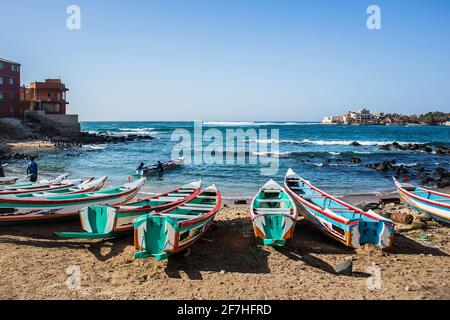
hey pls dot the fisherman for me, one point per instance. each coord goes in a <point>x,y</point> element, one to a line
<point>32,169</point>
<point>160,168</point>
<point>2,174</point>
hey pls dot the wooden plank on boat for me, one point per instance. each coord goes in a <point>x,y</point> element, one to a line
<point>181,216</point>
<point>273,209</point>
<point>200,205</point>
<point>207,197</point>
<point>273,200</point>
<point>169,199</point>
<point>194,208</point>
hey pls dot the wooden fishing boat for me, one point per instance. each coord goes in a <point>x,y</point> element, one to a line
<point>62,187</point>
<point>434,204</point>
<point>89,185</point>
<point>273,214</point>
<point>18,184</point>
<point>338,219</point>
<point>167,165</point>
<point>160,234</point>
<point>15,209</point>
<point>8,180</point>
<point>112,221</point>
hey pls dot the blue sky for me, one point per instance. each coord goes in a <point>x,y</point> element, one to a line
<point>262,60</point>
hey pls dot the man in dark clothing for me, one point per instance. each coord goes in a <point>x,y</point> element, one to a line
<point>160,168</point>
<point>32,170</point>
<point>2,174</point>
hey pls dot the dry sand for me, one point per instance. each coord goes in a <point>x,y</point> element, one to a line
<point>228,263</point>
<point>30,146</point>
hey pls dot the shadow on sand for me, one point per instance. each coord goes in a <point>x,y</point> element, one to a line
<point>229,246</point>
<point>42,235</point>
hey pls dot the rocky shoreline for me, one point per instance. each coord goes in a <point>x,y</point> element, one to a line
<point>58,142</point>
<point>439,177</point>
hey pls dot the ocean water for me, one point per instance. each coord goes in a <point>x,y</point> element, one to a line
<point>317,152</point>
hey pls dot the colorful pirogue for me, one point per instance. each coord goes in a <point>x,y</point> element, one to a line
<point>113,221</point>
<point>160,234</point>
<point>16,209</point>
<point>273,214</point>
<point>338,219</point>
<point>65,186</point>
<point>8,181</point>
<point>42,183</point>
<point>434,204</point>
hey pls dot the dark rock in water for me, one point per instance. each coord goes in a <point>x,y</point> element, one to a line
<point>386,200</point>
<point>401,170</point>
<point>384,166</point>
<point>426,179</point>
<point>355,160</point>
<point>440,172</point>
<point>415,147</point>
<point>240,201</point>
<point>355,144</point>
<point>17,156</point>
<point>443,183</point>
<point>344,268</point>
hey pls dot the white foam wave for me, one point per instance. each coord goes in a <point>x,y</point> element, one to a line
<point>253,123</point>
<point>95,147</point>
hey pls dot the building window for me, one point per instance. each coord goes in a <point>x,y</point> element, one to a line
<point>14,68</point>
<point>1,95</point>
<point>11,96</point>
<point>11,81</point>
<point>49,95</point>
<point>2,65</point>
<point>1,80</point>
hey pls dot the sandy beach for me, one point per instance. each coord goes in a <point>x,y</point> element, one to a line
<point>228,263</point>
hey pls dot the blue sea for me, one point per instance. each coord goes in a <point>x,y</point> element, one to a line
<point>318,152</point>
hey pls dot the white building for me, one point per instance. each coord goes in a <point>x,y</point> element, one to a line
<point>332,120</point>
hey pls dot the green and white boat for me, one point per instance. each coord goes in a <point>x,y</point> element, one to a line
<point>17,209</point>
<point>113,221</point>
<point>160,234</point>
<point>274,214</point>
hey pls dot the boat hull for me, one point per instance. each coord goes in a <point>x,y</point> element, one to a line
<point>435,210</point>
<point>30,211</point>
<point>273,214</point>
<point>353,227</point>
<point>111,221</point>
<point>161,234</point>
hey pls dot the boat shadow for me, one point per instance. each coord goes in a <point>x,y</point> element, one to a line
<point>228,246</point>
<point>42,235</point>
<point>405,245</point>
<point>308,241</point>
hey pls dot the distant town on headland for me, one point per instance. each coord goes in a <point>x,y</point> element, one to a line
<point>365,117</point>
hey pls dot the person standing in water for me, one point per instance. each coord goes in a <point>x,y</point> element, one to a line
<point>140,169</point>
<point>32,170</point>
<point>160,168</point>
<point>2,174</point>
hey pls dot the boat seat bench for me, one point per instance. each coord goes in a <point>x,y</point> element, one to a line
<point>274,200</point>
<point>194,208</point>
<point>181,216</point>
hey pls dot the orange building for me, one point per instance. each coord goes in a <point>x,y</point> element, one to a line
<point>48,96</point>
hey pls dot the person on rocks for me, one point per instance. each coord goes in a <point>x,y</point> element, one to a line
<point>32,169</point>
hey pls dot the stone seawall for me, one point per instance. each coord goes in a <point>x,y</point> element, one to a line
<point>65,124</point>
